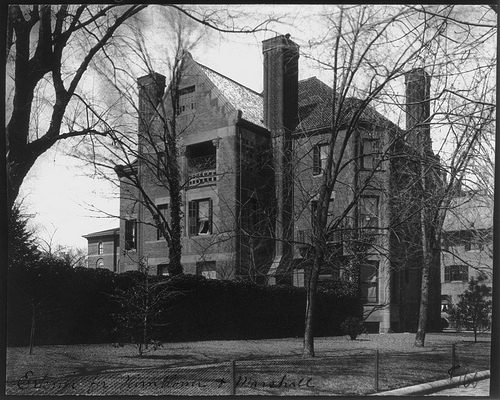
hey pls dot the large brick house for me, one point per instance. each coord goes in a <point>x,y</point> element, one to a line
<point>252,167</point>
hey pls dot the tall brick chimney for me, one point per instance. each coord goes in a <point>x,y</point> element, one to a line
<point>281,61</point>
<point>151,90</point>
<point>418,126</point>
<point>281,72</point>
<point>418,87</point>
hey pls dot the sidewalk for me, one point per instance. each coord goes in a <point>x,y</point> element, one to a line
<point>472,384</point>
<point>478,388</point>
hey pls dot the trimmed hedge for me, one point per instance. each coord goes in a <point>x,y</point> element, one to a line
<point>77,307</point>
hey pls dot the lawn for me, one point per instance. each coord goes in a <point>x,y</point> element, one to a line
<point>273,366</point>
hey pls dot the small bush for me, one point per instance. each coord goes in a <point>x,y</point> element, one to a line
<point>353,327</point>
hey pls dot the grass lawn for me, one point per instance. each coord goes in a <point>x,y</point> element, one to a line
<point>272,367</point>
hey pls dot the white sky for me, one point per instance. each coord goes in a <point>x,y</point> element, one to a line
<point>58,189</point>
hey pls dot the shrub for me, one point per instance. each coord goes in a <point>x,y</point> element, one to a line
<point>353,326</point>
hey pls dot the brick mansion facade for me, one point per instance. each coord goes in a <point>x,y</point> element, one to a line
<point>248,205</point>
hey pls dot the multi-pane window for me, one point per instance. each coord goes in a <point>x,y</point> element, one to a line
<point>100,248</point>
<point>456,273</point>
<point>163,220</point>
<point>130,234</point>
<point>200,217</point>
<point>369,281</point>
<point>320,154</point>
<point>186,100</point>
<point>370,154</point>
<point>368,212</point>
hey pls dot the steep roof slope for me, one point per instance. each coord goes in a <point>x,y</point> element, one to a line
<point>315,108</point>
<point>239,96</point>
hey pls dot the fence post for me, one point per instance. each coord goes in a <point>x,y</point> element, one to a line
<point>376,370</point>
<point>232,378</point>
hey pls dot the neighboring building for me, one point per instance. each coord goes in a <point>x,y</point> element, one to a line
<point>467,245</point>
<point>103,249</point>
<point>252,165</point>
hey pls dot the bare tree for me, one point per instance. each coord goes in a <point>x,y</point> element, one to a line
<point>365,64</point>
<point>50,50</point>
<point>40,39</point>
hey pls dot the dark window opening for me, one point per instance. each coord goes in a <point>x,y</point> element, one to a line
<point>368,212</point>
<point>186,100</point>
<point>320,154</point>
<point>369,281</point>
<point>163,220</point>
<point>370,154</point>
<point>130,234</point>
<point>201,163</point>
<point>207,269</point>
<point>163,269</point>
<point>161,166</point>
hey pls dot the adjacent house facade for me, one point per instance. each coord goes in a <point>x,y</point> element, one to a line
<point>251,166</point>
<point>467,245</point>
<point>103,249</point>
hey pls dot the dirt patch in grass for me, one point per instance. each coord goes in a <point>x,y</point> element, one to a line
<point>341,366</point>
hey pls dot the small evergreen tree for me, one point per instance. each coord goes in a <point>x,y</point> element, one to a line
<point>473,311</point>
<point>21,248</point>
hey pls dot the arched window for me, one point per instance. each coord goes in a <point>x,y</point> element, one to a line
<point>100,248</point>
<point>99,263</point>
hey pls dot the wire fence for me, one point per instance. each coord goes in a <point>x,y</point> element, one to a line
<point>351,373</point>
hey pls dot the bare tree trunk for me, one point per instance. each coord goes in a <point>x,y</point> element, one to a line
<point>32,333</point>
<point>426,257</point>
<point>175,247</point>
<point>312,285</point>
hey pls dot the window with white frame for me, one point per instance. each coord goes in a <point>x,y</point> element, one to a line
<point>200,217</point>
<point>456,273</point>
<point>100,248</point>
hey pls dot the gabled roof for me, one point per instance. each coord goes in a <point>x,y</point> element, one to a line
<point>107,232</point>
<point>469,212</point>
<point>239,96</point>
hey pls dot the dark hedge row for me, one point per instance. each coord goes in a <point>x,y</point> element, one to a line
<point>76,306</point>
